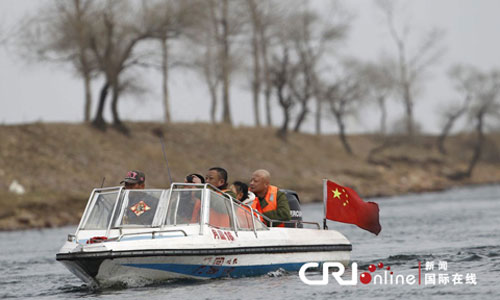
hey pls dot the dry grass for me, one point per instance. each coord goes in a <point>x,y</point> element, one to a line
<point>59,164</point>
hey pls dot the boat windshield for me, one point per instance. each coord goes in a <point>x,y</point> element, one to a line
<point>220,211</point>
<point>184,207</point>
<point>244,219</point>
<point>101,210</point>
<point>140,207</point>
<point>115,207</point>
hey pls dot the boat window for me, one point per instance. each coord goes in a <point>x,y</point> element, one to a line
<point>184,207</point>
<point>244,219</point>
<point>102,210</point>
<point>220,211</point>
<point>141,207</point>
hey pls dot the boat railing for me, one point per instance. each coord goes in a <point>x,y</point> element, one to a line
<point>252,220</point>
<point>270,221</point>
<point>294,222</point>
<point>208,186</point>
<point>152,232</point>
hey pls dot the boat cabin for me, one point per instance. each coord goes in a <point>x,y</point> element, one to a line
<point>111,210</point>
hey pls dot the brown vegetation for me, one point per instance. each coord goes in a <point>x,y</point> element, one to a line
<point>59,164</point>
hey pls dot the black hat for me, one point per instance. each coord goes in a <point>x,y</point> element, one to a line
<point>134,176</point>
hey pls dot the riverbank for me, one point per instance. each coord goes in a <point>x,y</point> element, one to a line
<point>59,164</point>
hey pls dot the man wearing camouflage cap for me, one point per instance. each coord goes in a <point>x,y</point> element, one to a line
<point>134,180</point>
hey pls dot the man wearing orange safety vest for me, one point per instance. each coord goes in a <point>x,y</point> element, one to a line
<point>269,201</point>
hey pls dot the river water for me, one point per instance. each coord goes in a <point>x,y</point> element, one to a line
<point>456,232</point>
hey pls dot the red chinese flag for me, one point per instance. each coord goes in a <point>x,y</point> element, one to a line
<point>344,205</point>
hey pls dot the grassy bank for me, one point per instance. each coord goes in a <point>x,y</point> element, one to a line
<point>59,164</point>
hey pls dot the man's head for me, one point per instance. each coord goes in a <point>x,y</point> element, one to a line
<point>134,180</point>
<point>217,177</point>
<point>260,182</point>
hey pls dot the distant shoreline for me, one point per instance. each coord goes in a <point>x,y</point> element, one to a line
<point>58,164</point>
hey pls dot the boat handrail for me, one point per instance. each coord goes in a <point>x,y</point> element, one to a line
<point>205,186</point>
<point>296,222</point>
<point>152,232</point>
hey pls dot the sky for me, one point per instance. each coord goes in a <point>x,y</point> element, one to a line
<point>35,91</point>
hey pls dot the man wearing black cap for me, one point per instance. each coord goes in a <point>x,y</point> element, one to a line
<point>135,180</point>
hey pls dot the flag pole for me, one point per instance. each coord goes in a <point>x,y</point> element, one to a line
<point>324,204</point>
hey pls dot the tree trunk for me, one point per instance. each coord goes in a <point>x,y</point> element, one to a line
<point>446,131</point>
<point>226,111</point>
<point>383,115</point>
<point>283,131</point>
<point>99,121</point>
<point>342,135</point>
<point>478,146</point>
<point>318,116</point>
<point>166,96</point>
<point>88,97</point>
<point>267,99</point>
<point>213,108</point>
<point>447,128</point>
<point>256,95</point>
<point>84,68</point>
<point>211,78</point>
<point>267,76</point>
<point>409,111</point>
<point>117,123</point>
<point>256,61</point>
<point>302,116</point>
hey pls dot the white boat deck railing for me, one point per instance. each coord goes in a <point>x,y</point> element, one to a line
<point>153,233</point>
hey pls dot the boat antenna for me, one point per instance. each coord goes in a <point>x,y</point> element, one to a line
<point>159,133</point>
<point>102,183</point>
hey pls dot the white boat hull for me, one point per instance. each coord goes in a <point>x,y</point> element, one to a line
<point>203,258</point>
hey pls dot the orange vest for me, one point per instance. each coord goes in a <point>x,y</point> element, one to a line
<point>272,202</point>
<point>216,218</point>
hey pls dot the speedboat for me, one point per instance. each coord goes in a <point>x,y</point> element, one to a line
<point>188,231</point>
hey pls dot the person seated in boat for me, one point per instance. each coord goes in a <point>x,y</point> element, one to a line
<point>217,177</point>
<point>134,180</point>
<point>240,189</point>
<point>139,210</point>
<point>269,201</point>
<point>190,204</point>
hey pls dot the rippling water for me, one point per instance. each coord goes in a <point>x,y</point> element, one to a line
<point>460,226</point>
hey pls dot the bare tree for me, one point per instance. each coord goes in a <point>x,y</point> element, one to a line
<point>169,19</point>
<point>412,64</point>
<point>228,21</point>
<point>201,48</point>
<point>379,83</point>
<point>312,35</point>
<point>113,38</point>
<point>265,17</point>
<point>266,21</point>
<point>59,33</point>
<point>223,20</point>
<point>484,88</point>
<point>462,79</point>
<point>343,95</point>
<point>256,20</point>
<point>282,73</point>
<point>220,24</point>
